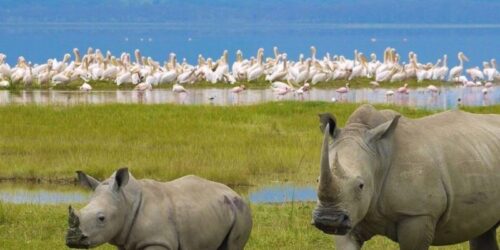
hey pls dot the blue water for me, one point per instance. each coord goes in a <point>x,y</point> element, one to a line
<point>282,193</point>
<point>37,43</point>
<point>32,194</point>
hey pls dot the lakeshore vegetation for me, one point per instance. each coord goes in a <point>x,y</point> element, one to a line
<point>241,145</point>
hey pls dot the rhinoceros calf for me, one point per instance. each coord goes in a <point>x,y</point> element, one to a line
<point>187,213</point>
<point>428,181</point>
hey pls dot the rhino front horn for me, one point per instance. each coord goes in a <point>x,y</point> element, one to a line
<point>325,173</point>
<point>73,220</point>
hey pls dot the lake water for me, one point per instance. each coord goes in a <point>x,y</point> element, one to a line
<point>57,194</point>
<point>38,42</point>
<point>420,98</point>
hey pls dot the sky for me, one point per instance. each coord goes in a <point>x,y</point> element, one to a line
<point>251,12</point>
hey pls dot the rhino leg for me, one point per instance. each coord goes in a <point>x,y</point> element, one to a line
<point>346,242</point>
<point>415,233</point>
<point>155,248</point>
<point>486,241</point>
<point>242,226</point>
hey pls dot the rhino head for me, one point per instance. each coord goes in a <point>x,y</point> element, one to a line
<point>103,218</point>
<point>348,172</point>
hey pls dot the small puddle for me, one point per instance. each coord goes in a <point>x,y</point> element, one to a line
<point>282,193</point>
<point>42,194</point>
<point>60,194</point>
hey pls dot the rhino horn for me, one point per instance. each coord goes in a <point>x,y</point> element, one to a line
<point>339,171</point>
<point>327,184</point>
<point>325,173</point>
<point>73,220</point>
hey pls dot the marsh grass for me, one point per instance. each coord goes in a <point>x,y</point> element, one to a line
<point>44,227</point>
<point>242,145</point>
<point>258,84</point>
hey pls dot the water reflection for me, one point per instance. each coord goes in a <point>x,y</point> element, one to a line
<point>445,99</point>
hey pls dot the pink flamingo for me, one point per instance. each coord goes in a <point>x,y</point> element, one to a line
<point>404,89</point>
<point>343,90</point>
<point>488,84</point>
<point>432,88</point>
<point>238,89</point>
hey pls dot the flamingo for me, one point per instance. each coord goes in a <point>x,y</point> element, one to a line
<point>238,89</point>
<point>143,86</point>
<point>177,88</point>
<point>432,89</point>
<point>404,89</point>
<point>343,90</point>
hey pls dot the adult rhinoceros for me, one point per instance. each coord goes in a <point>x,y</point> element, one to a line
<point>428,181</point>
<point>187,213</point>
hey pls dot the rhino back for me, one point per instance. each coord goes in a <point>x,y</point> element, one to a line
<point>446,166</point>
<point>192,212</point>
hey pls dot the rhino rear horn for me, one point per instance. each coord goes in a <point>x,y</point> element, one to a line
<point>327,119</point>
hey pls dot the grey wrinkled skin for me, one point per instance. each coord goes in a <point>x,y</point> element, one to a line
<point>420,182</point>
<point>186,213</point>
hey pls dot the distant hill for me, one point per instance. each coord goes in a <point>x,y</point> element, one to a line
<point>227,12</point>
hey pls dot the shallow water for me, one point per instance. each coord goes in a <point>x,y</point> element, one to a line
<point>55,194</point>
<point>420,98</point>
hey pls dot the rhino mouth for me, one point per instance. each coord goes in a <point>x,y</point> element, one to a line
<point>75,239</point>
<point>333,230</point>
<point>338,223</point>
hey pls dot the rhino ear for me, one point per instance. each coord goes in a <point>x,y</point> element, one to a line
<point>328,119</point>
<point>121,178</point>
<point>86,180</point>
<point>384,130</point>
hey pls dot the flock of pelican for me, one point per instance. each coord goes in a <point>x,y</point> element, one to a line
<point>283,74</point>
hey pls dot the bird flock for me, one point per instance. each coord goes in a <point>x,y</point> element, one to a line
<point>283,74</point>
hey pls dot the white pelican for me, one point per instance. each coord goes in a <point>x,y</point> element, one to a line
<point>255,71</point>
<point>86,87</point>
<point>475,73</point>
<point>457,70</point>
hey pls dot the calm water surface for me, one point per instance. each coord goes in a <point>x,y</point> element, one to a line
<point>420,98</point>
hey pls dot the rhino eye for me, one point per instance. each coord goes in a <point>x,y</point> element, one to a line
<point>101,218</point>
<point>361,186</point>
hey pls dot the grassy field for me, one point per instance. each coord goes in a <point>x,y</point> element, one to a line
<point>282,226</point>
<point>258,84</point>
<point>247,145</point>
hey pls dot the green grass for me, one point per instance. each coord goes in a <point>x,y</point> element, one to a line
<point>281,226</point>
<point>258,84</point>
<point>245,145</point>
